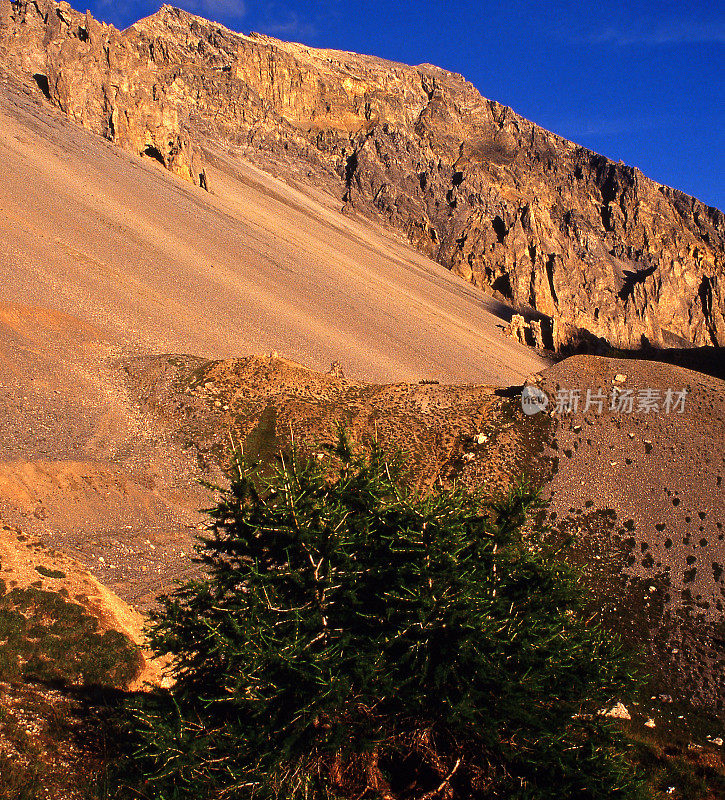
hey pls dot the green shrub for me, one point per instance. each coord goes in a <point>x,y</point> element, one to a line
<point>44,637</point>
<point>49,573</point>
<point>357,640</point>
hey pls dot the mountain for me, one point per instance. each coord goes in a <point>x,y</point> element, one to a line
<point>595,249</point>
<point>195,223</point>
<point>94,232</point>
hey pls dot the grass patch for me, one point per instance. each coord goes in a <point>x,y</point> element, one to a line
<point>675,771</point>
<point>19,781</point>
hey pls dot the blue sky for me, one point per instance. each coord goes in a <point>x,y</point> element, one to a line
<point>640,82</point>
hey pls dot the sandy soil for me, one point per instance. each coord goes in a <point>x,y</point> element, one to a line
<point>81,467</point>
<point>254,266</point>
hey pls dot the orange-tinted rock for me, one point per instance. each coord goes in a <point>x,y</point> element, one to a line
<point>537,220</point>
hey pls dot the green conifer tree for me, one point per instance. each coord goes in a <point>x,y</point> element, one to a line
<point>356,640</point>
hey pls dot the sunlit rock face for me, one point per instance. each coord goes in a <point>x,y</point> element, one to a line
<point>605,254</point>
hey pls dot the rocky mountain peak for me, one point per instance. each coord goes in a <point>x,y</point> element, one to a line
<point>592,248</point>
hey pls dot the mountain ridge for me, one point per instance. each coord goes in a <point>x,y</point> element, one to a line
<point>603,255</point>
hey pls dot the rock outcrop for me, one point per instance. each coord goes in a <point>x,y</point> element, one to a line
<point>556,230</point>
<point>101,78</point>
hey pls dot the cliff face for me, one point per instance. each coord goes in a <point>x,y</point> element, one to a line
<point>592,245</point>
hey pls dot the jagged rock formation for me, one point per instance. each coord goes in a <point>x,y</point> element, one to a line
<point>591,247</point>
<point>101,78</point>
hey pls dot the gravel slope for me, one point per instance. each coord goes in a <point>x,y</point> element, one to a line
<point>256,266</point>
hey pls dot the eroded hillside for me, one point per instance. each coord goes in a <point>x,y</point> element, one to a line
<point>594,246</point>
<point>104,448</point>
<point>104,445</point>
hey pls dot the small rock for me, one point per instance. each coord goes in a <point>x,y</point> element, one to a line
<point>481,438</point>
<point>619,378</point>
<point>717,741</point>
<point>650,723</point>
<point>617,712</point>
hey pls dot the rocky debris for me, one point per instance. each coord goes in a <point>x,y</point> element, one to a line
<point>606,254</point>
<point>446,433</point>
<point>637,489</point>
<point>619,711</point>
<point>53,741</point>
